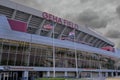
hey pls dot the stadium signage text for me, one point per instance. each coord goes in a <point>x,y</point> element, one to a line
<point>59,20</point>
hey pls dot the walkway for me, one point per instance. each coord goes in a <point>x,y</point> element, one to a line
<point>114,78</point>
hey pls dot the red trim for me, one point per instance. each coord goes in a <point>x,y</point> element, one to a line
<point>108,48</point>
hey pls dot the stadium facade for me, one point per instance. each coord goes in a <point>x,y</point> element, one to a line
<point>39,44</point>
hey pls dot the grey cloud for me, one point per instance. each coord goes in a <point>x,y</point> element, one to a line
<point>84,1</point>
<point>87,16</point>
<point>118,10</point>
<point>26,1</point>
<point>21,1</point>
<point>118,46</point>
<point>98,23</point>
<point>113,34</point>
<point>31,3</point>
<point>91,19</point>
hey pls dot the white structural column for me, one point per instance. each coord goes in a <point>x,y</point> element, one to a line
<point>25,75</point>
<point>1,51</point>
<point>101,44</point>
<point>94,41</point>
<point>0,76</point>
<point>29,50</point>
<point>66,74</point>
<point>14,13</point>
<point>62,32</point>
<point>106,74</point>
<point>79,35</point>
<point>75,56</point>
<point>91,75</point>
<point>85,37</point>
<point>100,74</point>
<point>29,20</point>
<point>40,27</point>
<point>112,74</point>
<point>66,61</point>
<point>48,73</point>
<point>116,73</point>
<point>52,31</point>
<point>91,39</point>
<point>8,53</point>
<point>97,43</point>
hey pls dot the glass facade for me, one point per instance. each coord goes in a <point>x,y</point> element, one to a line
<point>21,53</point>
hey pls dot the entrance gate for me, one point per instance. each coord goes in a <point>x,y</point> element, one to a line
<point>15,76</point>
<point>4,76</point>
<point>8,76</point>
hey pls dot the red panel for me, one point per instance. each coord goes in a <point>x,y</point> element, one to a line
<point>18,25</point>
<point>108,48</point>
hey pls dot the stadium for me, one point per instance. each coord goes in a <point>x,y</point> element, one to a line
<point>39,44</point>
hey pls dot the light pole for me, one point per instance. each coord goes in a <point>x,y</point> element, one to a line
<point>53,25</point>
<point>76,62</point>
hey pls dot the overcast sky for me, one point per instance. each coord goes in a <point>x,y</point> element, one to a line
<point>101,15</point>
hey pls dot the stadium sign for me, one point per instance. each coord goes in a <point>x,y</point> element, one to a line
<point>59,20</point>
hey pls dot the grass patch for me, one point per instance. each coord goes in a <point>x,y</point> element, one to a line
<point>50,79</point>
<point>77,79</point>
<point>60,79</point>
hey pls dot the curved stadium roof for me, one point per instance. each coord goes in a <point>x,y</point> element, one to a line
<point>35,21</point>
